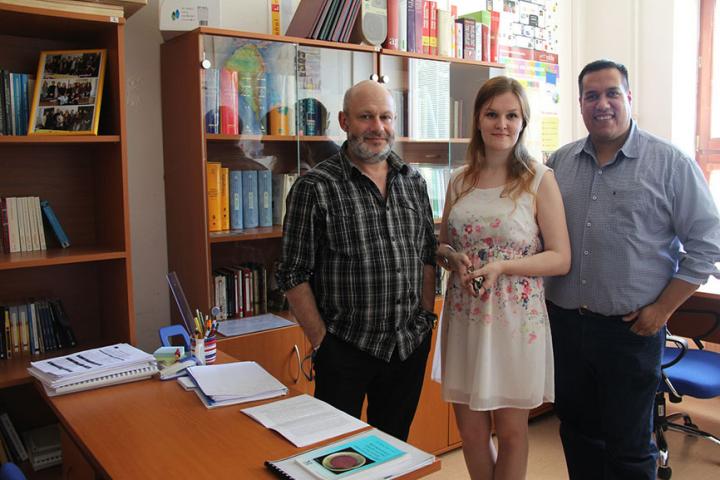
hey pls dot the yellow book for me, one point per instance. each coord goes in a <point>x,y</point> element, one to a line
<point>213,193</point>
<point>275,17</point>
<point>225,198</point>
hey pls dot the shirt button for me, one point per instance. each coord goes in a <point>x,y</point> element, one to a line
<point>398,270</point>
<point>584,306</point>
<point>586,252</point>
<point>599,172</point>
<point>589,224</point>
<point>594,197</point>
<point>583,281</point>
<point>387,209</point>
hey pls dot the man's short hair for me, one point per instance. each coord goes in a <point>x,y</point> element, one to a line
<point>602,65</point>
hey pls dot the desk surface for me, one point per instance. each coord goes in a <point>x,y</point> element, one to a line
<point>155,429</point>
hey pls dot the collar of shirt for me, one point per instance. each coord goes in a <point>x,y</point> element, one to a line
<point>630,149</point>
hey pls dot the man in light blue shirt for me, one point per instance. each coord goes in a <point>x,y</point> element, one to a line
<point>645,233</point>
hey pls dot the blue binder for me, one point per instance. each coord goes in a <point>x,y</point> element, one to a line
<point>265,198</point>
<point>250,198</point>
<point>236,200</point>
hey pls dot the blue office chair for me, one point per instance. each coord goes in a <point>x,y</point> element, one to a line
<point>685,371</point>
<point>10,471</point>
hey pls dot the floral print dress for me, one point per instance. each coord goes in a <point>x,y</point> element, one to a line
<point>496,348</point>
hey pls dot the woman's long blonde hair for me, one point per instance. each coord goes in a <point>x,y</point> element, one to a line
<point>520,168</point>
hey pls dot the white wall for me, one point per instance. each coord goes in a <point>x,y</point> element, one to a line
<point>656,39</point>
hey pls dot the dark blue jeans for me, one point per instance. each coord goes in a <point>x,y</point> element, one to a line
<point>605,382</point>
<point>344,375</point>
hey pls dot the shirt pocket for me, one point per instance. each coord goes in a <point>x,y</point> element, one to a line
<point>629,209</point>
<point>410,222</point>
<point>348,230</point>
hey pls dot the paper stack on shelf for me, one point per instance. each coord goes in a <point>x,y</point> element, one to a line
<point>43,446</point>
<point>98,367</point>
<point>231,383</point>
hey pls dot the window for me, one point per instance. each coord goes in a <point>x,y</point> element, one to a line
<point>708,147</point>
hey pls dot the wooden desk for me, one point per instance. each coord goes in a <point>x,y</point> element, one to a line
<point>155,429</point>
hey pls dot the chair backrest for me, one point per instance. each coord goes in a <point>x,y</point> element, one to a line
<point>166,333</point>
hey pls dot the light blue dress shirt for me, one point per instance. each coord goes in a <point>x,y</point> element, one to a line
<point>645,217</point>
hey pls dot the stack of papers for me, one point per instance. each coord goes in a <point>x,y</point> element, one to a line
<point>369,455</point>
<point>304,420</point>
<point>231,383</point>
<point>120,363</point>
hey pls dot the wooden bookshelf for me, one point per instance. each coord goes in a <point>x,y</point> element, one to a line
<point>85,180</point>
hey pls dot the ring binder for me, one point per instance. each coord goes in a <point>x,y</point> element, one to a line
<point>107,380</point>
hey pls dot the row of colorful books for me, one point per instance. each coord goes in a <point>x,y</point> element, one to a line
<point>240,103</point>
<point>241,290</point>
<point>420,26</point>
<point>35,327</point>
<point>16,91</point>
<point>241,199</point>
<point>22,226</point>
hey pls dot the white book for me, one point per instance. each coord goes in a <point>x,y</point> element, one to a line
<point>32,223</point>
<point>25,233</point>
<point>38,221</point>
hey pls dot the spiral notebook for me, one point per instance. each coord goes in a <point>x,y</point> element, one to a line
<point>139,373</point>
<point>388,466</point>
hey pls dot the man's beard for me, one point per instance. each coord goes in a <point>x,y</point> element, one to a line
<point>358,149</point>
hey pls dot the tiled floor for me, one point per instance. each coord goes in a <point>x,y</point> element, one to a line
<point>690,458</point>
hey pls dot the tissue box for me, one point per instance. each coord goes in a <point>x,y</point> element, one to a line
<point>183,15</point>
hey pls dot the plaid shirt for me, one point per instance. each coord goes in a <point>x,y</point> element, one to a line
<point>362,254</point>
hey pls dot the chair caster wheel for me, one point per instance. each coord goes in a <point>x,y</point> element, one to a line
<point>664,473</point>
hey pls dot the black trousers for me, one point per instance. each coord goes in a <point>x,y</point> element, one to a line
<point>605,382</point>
<point>344,375</point>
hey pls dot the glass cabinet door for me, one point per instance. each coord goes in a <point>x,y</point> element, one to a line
<point>323,76</point>
<point>421,90</point>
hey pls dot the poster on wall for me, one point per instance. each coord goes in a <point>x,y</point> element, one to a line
<point>528,47</point>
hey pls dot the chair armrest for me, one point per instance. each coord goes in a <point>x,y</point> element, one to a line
<point>681,343</point>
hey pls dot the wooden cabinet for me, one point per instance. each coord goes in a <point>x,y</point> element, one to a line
<point>279,351</point>
<point>84,178</point>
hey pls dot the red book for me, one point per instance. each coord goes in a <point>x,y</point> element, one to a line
<point>494,35</point>
<point>485,43</point>
<point>229,102</point>
<point>392,42</point>
<point>433,29</point>
<point>426,27</point>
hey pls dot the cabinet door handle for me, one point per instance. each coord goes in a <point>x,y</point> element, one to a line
<point>299,366</point>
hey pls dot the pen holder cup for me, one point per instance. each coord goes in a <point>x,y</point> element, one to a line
<point>210,350</point>
<point>197,349</point>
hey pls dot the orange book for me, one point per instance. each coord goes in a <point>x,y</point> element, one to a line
<point>213,193</point>
<point>225,198</point>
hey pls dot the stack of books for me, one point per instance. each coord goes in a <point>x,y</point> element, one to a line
<point>111,365</point>
<point>43,446</point>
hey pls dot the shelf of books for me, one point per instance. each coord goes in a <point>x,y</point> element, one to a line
<point>65,278</point>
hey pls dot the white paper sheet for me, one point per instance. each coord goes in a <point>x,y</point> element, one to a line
<point>304,420</point>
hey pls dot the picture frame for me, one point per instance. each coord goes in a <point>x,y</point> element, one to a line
<point>68,92</point>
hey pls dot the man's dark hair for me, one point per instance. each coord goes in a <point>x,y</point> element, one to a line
<point>602,65</point>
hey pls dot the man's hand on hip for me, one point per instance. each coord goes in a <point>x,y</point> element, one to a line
<point>648,320</point>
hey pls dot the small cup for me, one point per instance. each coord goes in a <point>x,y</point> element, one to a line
<point>197,348</point>
<point>210,350</point>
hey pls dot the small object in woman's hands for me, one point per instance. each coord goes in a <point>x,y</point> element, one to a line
<point>477,283</point>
